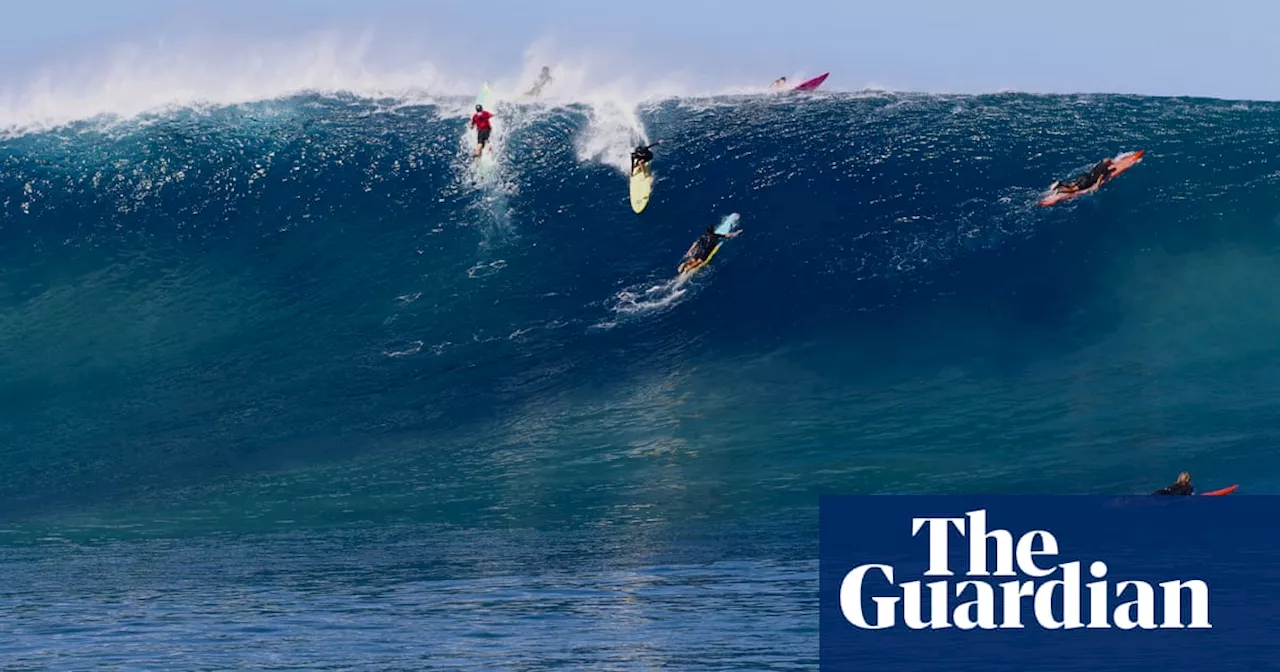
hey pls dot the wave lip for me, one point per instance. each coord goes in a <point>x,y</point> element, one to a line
<point>131,80</point>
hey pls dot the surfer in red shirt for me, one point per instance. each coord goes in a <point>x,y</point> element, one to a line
<point>480,122</point>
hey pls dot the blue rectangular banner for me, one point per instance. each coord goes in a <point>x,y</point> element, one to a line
<point>1027,584</point>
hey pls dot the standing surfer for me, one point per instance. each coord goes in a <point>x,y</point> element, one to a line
<point>641,157</point>
<point>480,122</point>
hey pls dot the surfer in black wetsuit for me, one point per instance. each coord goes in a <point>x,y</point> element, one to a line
<point>1096,175</point>
<point>544,78</point>
<point>641,157</point>
<point>701,248</point>
<point>1180,487</point>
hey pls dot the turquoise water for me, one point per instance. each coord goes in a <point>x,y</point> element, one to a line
<point>282,388</point>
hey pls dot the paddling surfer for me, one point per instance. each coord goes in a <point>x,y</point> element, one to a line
<point>1182,486</point>
<point>1096,176</point>
<point>702,247</point>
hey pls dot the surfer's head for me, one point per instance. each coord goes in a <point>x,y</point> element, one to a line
<point>1184,477</point>
<point>479,107</point>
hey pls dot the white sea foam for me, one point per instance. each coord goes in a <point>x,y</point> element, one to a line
<point>127,80</point>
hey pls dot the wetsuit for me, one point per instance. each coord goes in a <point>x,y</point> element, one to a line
<point>1096,175</point>
<point>483,129</point>
<point>1176,489</point>
<point>640,156</point>
<point>702,249</point>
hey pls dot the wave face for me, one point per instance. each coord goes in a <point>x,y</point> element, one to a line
<point>307,310</point>
<point>291,364</point>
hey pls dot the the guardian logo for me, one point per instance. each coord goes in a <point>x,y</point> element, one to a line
<point>985,600</point>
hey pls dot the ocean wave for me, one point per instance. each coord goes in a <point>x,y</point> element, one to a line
<point>225,289</point>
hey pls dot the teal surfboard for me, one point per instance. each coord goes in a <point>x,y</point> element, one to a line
<point>729,223</point>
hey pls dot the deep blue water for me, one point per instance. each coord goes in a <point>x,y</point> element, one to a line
<point>280,385</point>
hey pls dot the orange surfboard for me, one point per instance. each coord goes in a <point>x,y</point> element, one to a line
<point>1120,164</point>
<point>1225,491</point>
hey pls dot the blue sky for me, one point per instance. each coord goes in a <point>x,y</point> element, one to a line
<point>1168,47</point>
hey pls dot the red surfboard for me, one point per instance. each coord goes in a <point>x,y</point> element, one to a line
<point>812,84</point>
<point>1121,163</point>
<point>1225,491</point>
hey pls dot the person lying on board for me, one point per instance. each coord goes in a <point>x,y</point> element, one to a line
<point>1180,487</point>
<point>1096,175</point>
<point>702,247</point>
<point>641,157</point>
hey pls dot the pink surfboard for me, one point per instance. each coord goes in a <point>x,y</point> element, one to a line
<point>812,84</point>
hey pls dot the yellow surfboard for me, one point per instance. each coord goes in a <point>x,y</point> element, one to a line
<point>641,187</point>
<point>694,269</point>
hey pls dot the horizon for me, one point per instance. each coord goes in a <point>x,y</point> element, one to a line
<point>151,52</point>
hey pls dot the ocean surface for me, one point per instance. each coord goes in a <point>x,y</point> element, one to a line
<point>284,385</point>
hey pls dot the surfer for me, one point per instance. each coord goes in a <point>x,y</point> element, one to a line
<point>1182,486</point>
<point>641,157</point>
<point>701,248</point>
<point>778,83</point>
<point>1096,176</point>
<point>544,78</point>
<point>480,122</point>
